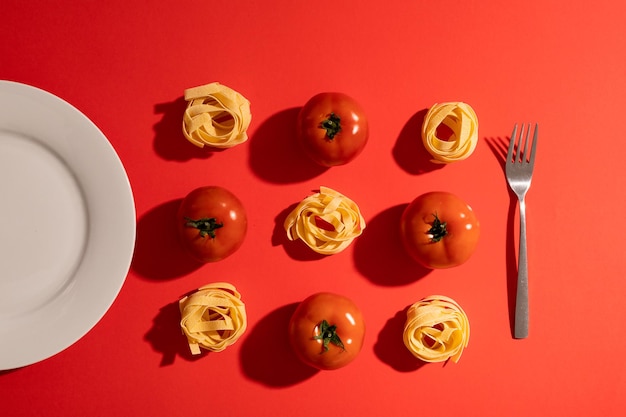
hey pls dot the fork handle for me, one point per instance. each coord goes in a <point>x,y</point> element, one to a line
<point>521,301</point>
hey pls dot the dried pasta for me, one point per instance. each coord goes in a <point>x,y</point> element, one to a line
<point>329,208</point>
<point>213,317</point>
<point>462,120</point>
<point>436,329</point>
<point>216,116</point>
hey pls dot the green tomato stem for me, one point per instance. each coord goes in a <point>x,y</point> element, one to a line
<point>206,226</point>
<point>328,334</point>
<point>332,125</point>
<point>438,230</point>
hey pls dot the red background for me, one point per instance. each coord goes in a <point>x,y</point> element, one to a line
<point>125,64</point>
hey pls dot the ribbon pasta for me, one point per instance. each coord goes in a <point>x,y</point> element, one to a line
<point>216,116</point>
<point>436,329</point>
<point>329,208</point>
<point>213,317</point>
<point>462,120</point>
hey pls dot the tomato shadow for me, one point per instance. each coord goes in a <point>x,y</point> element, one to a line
<point>499,148</point>
<point>166,337</point>
<point>379,254</point>
<point>169,141</point>
<point>158,253</point>
<point>409,152</point>
<point>275,155</point>
<point>296,249</point>
<point>266,353</point>
<point>389,346</point>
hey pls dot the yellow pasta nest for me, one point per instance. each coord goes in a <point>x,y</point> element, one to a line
<point>216,116</point>
<point>461,119</point>
<point>213,317</point>
<point>436,329</point>
<point>327,222</point>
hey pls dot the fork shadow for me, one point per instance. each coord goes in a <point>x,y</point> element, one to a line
<point>499,148</point>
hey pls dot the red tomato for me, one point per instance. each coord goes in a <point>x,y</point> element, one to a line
<point>332,128</point>
<point>439,230</point>
<point>212,223</point>
<point>326,331</point>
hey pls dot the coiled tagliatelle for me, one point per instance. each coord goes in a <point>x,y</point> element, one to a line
<point>462,121</point>
<point>213,317</point>
<point>436,329</point>
<point>327,222</point>
<point>216,116</point>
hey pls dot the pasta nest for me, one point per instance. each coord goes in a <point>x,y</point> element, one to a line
<point>213,317</point>
<point>327,222</point>
<point>461,119</point>
<point>436,329</point>
<point>216,116</point>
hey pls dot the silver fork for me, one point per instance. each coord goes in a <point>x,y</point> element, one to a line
<point>519,171</point>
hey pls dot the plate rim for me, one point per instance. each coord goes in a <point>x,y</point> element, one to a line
<point>69,322</point>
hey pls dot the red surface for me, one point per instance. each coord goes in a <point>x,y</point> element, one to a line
<point>560,63</point>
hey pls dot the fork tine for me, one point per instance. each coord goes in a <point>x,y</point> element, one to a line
<point>524,156</point>
<point>509,156</point>
<point>533,148</point>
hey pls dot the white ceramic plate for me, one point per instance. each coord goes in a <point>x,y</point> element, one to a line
<point>67,225</point>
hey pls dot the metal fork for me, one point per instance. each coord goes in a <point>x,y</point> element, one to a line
<point>519,171</point>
